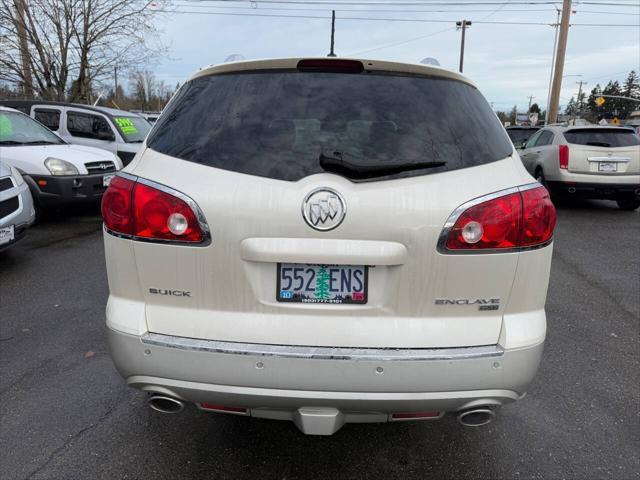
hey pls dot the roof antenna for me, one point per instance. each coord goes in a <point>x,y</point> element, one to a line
<point>333,32</point>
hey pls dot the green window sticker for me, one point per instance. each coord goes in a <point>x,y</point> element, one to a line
<point>6,127</point>
<point>126,125</point>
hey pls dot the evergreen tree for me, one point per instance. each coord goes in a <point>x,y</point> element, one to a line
<point>594,112</point>
<point>613,107</point>
<point>513,116</point>
<point>322,284</point>
<point>570,108</point>
<point>630,88</point>
<point>535,108</point>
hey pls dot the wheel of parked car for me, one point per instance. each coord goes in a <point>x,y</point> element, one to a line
<point>539,176</point>
<point>628,204</point>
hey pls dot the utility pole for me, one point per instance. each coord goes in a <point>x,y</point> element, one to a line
<point>578,102</point>
<point>462,25</point>
<point>27,83</point>
<point>115,81</point>
<point>333,33</point>
<point>559,66</point>
<point>531,97</point>
<point>553,60</point>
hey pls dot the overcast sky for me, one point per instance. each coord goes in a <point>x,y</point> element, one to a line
<point>508,62</point>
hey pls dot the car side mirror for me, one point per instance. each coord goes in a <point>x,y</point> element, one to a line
<point>108,136</point>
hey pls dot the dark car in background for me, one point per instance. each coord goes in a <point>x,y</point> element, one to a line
<point>519,134</point>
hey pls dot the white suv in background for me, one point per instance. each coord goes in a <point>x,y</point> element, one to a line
<point>587,162</point>
<point>314,240</point>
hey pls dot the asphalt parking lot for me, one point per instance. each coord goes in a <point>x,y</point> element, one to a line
<point>66,413</point>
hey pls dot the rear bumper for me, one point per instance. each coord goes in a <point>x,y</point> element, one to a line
<point>363,384</point>
<point>53,191</point>
<point>610,191</point>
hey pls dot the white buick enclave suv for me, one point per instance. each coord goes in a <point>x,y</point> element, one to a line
<point>328,241</point>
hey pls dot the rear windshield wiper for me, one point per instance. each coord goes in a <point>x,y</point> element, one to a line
<point>41,142</point>
<point>338,164</point>
<point>599,144</point>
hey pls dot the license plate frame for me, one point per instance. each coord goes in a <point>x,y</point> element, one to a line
<point>290,295</point>
<point>106,180</point>
<point>7,234</point>
<point>607,167</point>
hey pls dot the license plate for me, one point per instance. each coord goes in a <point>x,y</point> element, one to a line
<point>607,167</point>
<point>106,180</point>
<point>7,234</point>
<point>310,283</point>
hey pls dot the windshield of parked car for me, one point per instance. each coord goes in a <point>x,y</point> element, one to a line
<point>519,135</point>
<point>20,129</point>
<point>133,129</point>
<point>602,137</point>
<point>277,124</point>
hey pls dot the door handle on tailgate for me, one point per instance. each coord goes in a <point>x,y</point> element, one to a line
<point>325,251</point>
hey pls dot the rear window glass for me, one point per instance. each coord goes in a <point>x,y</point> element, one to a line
<point>622,137</point>
<point>278,124</point>
<point>519,135</point>
<point>88,126</point>
<point>48,117</point>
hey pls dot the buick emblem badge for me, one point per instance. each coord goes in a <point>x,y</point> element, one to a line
<point>323,209</point>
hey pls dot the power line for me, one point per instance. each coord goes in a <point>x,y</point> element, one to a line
<point>419,20</point>
<point>189,3</point>
<point>255,3</point>
<point>403,42</point>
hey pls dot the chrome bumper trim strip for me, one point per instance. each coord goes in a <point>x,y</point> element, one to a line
<point>321,353</point>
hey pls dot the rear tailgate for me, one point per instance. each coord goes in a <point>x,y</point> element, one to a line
<point>603,151</point>
<point>250,149</point>
<point>232,283</point>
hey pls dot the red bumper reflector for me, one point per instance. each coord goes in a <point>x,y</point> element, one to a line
<point>398,416</point>
<point>222,408</point>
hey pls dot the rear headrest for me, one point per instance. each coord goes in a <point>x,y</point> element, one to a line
<point>279,133</point>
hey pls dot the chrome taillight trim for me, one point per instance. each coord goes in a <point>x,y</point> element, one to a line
<point>453,218</point>
<point>195,208</point>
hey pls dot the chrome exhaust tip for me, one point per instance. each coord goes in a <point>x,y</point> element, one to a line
<point>164,404</point>
<point>571,189</point>
<point>476,417</point>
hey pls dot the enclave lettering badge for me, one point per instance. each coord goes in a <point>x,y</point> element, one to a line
<point>483,303</point>
<point>173,293</point>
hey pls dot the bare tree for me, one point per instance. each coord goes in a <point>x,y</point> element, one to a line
<point>71,44</point>
<point>144,87</point>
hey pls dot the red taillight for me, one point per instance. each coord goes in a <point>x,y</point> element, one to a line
<point>521,219</point>
<point>539,217</point>
<point>414,416</point>
<point>142,211</point>
<point>116,205</point>
<point>223,408</point>
<point>492,224</point>
<point>563,156</point>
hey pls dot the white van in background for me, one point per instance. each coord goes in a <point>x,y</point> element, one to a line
<point>118,131</point>
<point>57,172</point>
